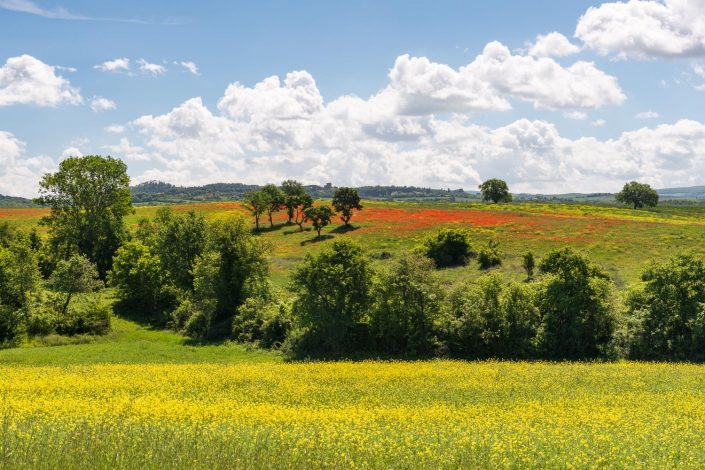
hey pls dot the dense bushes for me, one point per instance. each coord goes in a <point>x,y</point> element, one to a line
<point>447,247</point>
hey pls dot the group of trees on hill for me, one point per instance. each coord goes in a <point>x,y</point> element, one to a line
<point>210,281</point>
<point>292,197</point>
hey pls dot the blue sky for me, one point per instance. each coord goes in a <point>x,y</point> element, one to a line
<point>443,93</point>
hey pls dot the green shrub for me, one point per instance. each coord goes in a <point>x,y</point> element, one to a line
<point>90,316</point>
<point>262,321</point>
<point>406,305</point>
<point>447,247</point>
<point>490,255</point>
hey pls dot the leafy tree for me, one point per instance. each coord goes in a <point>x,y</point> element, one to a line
<point>319,217</point>
<point>294,194</point>
<point>19,275</point>
<point>76,275</point>
<point>488,318</point>
<point>332,297</point>
<point>239,270</point>
<point>301,204</point>
<point>528,262</point>
<point>141,285</point>
<point>667,313</point>
<point>276,200</point>
<point>257,202</point>
<point>345,201</point>
<point>447,247</point>
<point>490,255</point>
<point>88,197</point>
<point>638,195</point>
<point>179,240</point>
<point>406,306</point>
<point>577,306</point>
<point>495,190</point>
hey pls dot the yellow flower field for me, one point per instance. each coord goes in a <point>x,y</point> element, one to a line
<point>340,415</point>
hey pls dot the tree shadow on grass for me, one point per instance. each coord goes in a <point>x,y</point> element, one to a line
<point>316,239</point>
<point>344,229</point>
<point>297,230</point>
<point>268,229</point>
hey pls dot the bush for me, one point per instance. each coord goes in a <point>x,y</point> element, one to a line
<point>578,307</point>
<point>141,286</point>
<point>90,316</point>
<point>666,314</point>
<point>262,322</point>
<point>488,318</point>
<point>447,247</point>
<point>490,255</point>
<point>18,278</point>
<point>406,305</point>
<point>333,294</point>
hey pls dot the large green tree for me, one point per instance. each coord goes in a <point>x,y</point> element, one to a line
<point>294,195</point>
<point>637,195</point>
<point>495,190</point>
<point>276,200</point>
<point>89,197</point>
<point>345,201</point>
<point>319,216</point>
<point>76,275</point>
<point>257,202</point>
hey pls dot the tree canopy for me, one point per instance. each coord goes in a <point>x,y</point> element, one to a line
<point>88,197</point>
<point>345,201</point>
<point>637,195</point>
<point>495,190</point>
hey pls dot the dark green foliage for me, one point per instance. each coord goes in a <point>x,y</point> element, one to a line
<point>233,268</point>
<point>667,313</point>
<point>637,195</point>
<point>178,241</point>
<point>490,255</point>
<point>488,318</point>
<point>345,201</point>
<point>577,306</point>
<point>89,316</point>
<point>495,190</point>
<point>319,216</point>
<point>447,247</point>
<point>76,275</point>
<point>406,306</point>
<point>262,321</point>
<point>528,262</point>
<point>141,285</point>
<point>88,197</point>
<point>333,296</point>
<point>19,275</point>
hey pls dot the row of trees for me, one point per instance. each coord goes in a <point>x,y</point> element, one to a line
<point>292,197</point>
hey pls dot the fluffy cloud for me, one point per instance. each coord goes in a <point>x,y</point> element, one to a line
<point>99,103</point>
<point>26,80</point>
<point>552,45</point>
<point>19,174</point>
<point>645,28</point>
<point>281,129</point>
<point>117,65</point>
<point>154,69</point>
<point>419,86</point>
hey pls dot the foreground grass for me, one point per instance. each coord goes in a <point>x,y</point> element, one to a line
<point>129,343</point>
<point>436,414</point>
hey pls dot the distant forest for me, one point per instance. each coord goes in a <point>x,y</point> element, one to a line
<point>159,192</point>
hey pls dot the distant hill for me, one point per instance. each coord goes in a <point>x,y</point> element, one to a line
<point>159,192</point>
<point>11,201</point>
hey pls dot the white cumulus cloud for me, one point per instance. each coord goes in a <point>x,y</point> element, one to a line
<point>20,174</point>
<point>190,66</point>
<point>27,80</point>
<point>645,28</point>
<point>552,45</point>
<point>148,67</point>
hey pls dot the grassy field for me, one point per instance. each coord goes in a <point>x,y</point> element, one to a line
<point>620,239</point>
<point>145,398</point>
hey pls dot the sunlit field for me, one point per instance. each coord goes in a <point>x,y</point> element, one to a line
<point>622,240</point>
<point>437,414</point>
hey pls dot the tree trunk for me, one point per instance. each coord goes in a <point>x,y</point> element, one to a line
<point>66,304</point>
<point>271,224</point>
